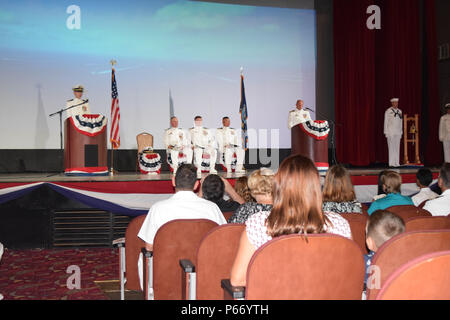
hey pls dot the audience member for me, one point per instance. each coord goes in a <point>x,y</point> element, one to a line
<point>380,192</point>
<point>260,183</point>
<point>424,178</point>
<point>338,192</point>
<point>184,204</point>
<point>297,209</point>
<point>242,189</point>
<point>392,182</point>
<point>441,205</point>
<point>213,189</point>
<point>381,226</point>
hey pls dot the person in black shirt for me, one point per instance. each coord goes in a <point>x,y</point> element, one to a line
<point>213,189</point>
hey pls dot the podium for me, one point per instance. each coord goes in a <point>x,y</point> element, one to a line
<point>85,145</point>
<point>310,139</point>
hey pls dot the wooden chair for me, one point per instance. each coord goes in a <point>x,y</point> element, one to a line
<point>320,267</point>
<point>215,257</point>
<point>144,140</point>
<point>129,250</point>
<point>428,223</point>
<point>403,248</point>
<point>357,222</point>
<point>175,240</point>
<point>424,278</point>
<point>408,211</point>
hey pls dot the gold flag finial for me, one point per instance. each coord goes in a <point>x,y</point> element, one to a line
<point>113,62</point>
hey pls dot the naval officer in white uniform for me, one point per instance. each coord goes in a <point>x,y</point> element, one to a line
<point>444,132</point>
<point>299,115</point>
<point>228,143</point>
<point>393,130</point>
<point>202,142</point>
<point>82,106</point>
<point>177,141</point>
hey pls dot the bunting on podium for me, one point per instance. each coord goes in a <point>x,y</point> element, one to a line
<point>318,129</point>
<point>89,124</point>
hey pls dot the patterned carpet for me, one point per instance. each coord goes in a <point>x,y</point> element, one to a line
<point>41,274</point>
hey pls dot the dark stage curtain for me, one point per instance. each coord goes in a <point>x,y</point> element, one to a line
<point>371,67</point>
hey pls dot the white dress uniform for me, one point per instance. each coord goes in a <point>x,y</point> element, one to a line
<point>298,116</point>
<point>181,142</point>
<point>203,142</point>
<point>444,135</point>
<point>393,130</point>
<point>228,143</point>
<point>79,110</point>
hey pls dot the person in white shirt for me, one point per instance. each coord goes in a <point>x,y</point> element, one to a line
<point>228,143</point>
<point>424,178</point>
<point>444,132</point>
<point>393,130</point>
<point>299,115</point>
<point>441,205</point>
<point>82,106</point>
<point>184,204</point>
<point>203,142</point>
<point>177,142</point>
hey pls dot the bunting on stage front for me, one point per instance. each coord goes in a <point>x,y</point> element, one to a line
<point>115,113</point>
<point>244,115</point>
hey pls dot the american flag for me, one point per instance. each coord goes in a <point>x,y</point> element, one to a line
<point>115,113</point>
<point>244,115</point>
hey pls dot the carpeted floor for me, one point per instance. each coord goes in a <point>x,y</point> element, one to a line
<point>41,274</point>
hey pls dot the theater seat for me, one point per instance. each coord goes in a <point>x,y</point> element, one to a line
<point>227,215</point>
<point>401,249</point>
<point>175,240</point>
<point>357,224</point>
<point>319,267</point>
<point>428,223</point>
<point>424,278</point>
<point>215,257</point>
<point>408,211</point>
<point>130,248</point>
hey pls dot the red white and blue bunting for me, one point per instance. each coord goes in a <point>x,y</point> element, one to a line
<point>89,124</point>
<point>182,158</point>
<point>149,163</point>
<point>318,129</point>
<point>233,162</point>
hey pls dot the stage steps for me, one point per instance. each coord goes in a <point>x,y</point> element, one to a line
<point>87,228</point>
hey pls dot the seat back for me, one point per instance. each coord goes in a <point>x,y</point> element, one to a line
<point>227,215</point>
<point>408,211</point>
<point>133,246</point>
<point>144,140</point>
<point>175,240</point>
<point>215,257</point>
<point>322,266</point>
<point>403,248</point>
<point>357,222</point>
<point>424,278</point>
<point>428,223</point>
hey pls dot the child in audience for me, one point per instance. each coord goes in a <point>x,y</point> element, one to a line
<point>392,183</point>
<point>381,226</point>
<point>424,178</point>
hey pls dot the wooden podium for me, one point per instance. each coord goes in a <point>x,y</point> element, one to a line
<point>311,146</point>
<point>84,153</point>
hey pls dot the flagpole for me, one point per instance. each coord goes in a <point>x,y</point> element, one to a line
<point>112,171</point>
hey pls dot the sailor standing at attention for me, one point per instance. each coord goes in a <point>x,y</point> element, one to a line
<point>203,142</point>
<point>393,130</point>
<point>444,132</point>
<point>177,142</point>
<point>82,106</point>
<point>299,115</point>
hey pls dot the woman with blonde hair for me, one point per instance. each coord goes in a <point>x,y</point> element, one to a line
<point>242,189</point>
<point>338,192</point>
<point>297,209</point>
<point>260,184</point>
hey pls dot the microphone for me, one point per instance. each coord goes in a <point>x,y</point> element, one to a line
<point>306,108</point>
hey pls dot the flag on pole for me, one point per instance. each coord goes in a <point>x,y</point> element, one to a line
<point>244,115</point>
<point>115,113</point>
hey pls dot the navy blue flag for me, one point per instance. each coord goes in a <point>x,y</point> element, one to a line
<point>244,115</point>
